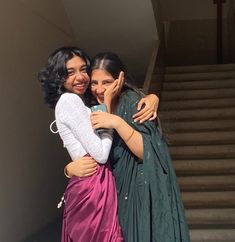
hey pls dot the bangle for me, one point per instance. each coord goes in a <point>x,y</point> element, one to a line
<point>130,135</point>
<point>66,172</point>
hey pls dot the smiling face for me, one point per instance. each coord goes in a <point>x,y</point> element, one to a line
<point>77,80</point>
<point>100,80</point>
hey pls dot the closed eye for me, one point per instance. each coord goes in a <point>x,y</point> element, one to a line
<point>71,72</point>
<point>84,69</point>
<point>107,82</point>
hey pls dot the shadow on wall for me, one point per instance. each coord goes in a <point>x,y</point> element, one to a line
<point>192,42</point>
<point>50,233</point>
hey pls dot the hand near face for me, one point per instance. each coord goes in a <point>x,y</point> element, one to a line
<point>113,90</point>
<point>148,107</point>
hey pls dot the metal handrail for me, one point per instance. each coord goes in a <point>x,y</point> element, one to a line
<point>151,66</point>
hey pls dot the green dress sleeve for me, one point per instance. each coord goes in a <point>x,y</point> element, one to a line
<point>149,202</point>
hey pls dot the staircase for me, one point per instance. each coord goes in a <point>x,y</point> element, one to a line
<point>197,110</point>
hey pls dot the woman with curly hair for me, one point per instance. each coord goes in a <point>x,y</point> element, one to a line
<point>90,213</point>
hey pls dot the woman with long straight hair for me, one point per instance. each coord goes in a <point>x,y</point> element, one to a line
<point>149,202</point>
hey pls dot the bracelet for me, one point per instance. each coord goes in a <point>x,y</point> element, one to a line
<point>130,135</point>
<point>66,173</point>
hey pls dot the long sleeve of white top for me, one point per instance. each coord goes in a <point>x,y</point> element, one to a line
<point>74,118</point>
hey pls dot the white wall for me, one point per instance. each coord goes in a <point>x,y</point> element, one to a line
<point>31,158</point>
<point>126,27</point>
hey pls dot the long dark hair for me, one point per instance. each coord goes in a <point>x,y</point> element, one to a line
<point>111,63</point>
<point>54,73</point>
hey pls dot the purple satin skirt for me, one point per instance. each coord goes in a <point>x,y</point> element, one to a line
<point>90,212</point>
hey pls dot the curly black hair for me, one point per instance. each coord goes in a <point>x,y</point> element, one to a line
<point>53,74</point>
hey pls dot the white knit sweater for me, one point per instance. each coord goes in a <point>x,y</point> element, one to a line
<point>74,126</point>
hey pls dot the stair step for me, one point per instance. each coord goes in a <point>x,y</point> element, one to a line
<point>198,114</point>
<point>212,235</point>
<point>211,137</point>
<point>210,216</point>
<point>207,183</point>
<point>193,126</point>
<point>200,68</point>
<point>202,152</point>
<point>199,75</point>
<point>198,94</point>
<point>209,199</point>
<point>194,85</point>
<point>204,167</point>
<point>192,104</point>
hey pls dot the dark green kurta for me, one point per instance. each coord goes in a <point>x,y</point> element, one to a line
<point>149,203</point>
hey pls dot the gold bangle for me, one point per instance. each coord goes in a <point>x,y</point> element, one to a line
<point>130,135</point>
<point>66,173</point>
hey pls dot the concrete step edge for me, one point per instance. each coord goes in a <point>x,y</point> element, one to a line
<point>199,76</point>
<point>207,183</point>
<point>193,126</point>
<point>194,138</point>
<point>200,68</point>
<point>197,94</point>
<point>198,114</point>
<point>204,167</point>
<point>210,216</point>
<point>166,105</point>
<point>202,151</point>
<point>198,85</point>
<point>212,235</point>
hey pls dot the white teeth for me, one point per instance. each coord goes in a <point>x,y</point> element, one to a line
<point>79,85</point>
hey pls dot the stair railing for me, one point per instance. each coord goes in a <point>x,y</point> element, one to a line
<point>151,66</point>
<point>231,30</point>
<point>219,30</point>
<point>156,65</point>
<point>156,69</point>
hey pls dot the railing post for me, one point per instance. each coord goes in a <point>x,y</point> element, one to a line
<point>151,66</point>
<point>219,30</point>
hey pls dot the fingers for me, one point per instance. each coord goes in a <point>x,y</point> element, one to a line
<point>111,89</point>
<point>95,122</point>
<point>121,75</point>
<point>139,114</point>
<point>140,104</point>
<point>89,165</point>
<point>88,168</point>
<point>85,172</point>
<point>154,116</point>
<point>145,117</point>
<point>89,174</point>
<point>84,167</point>
<point>120,81</point>
<point>148,112</point>
<point>86,162</point>
<point>96,126</point>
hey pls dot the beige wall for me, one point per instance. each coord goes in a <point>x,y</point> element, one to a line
<point>190,9</point>
<point>31,158</point>
<point>191,31</point>
<point>194,42</point>
<point>126,27</point>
